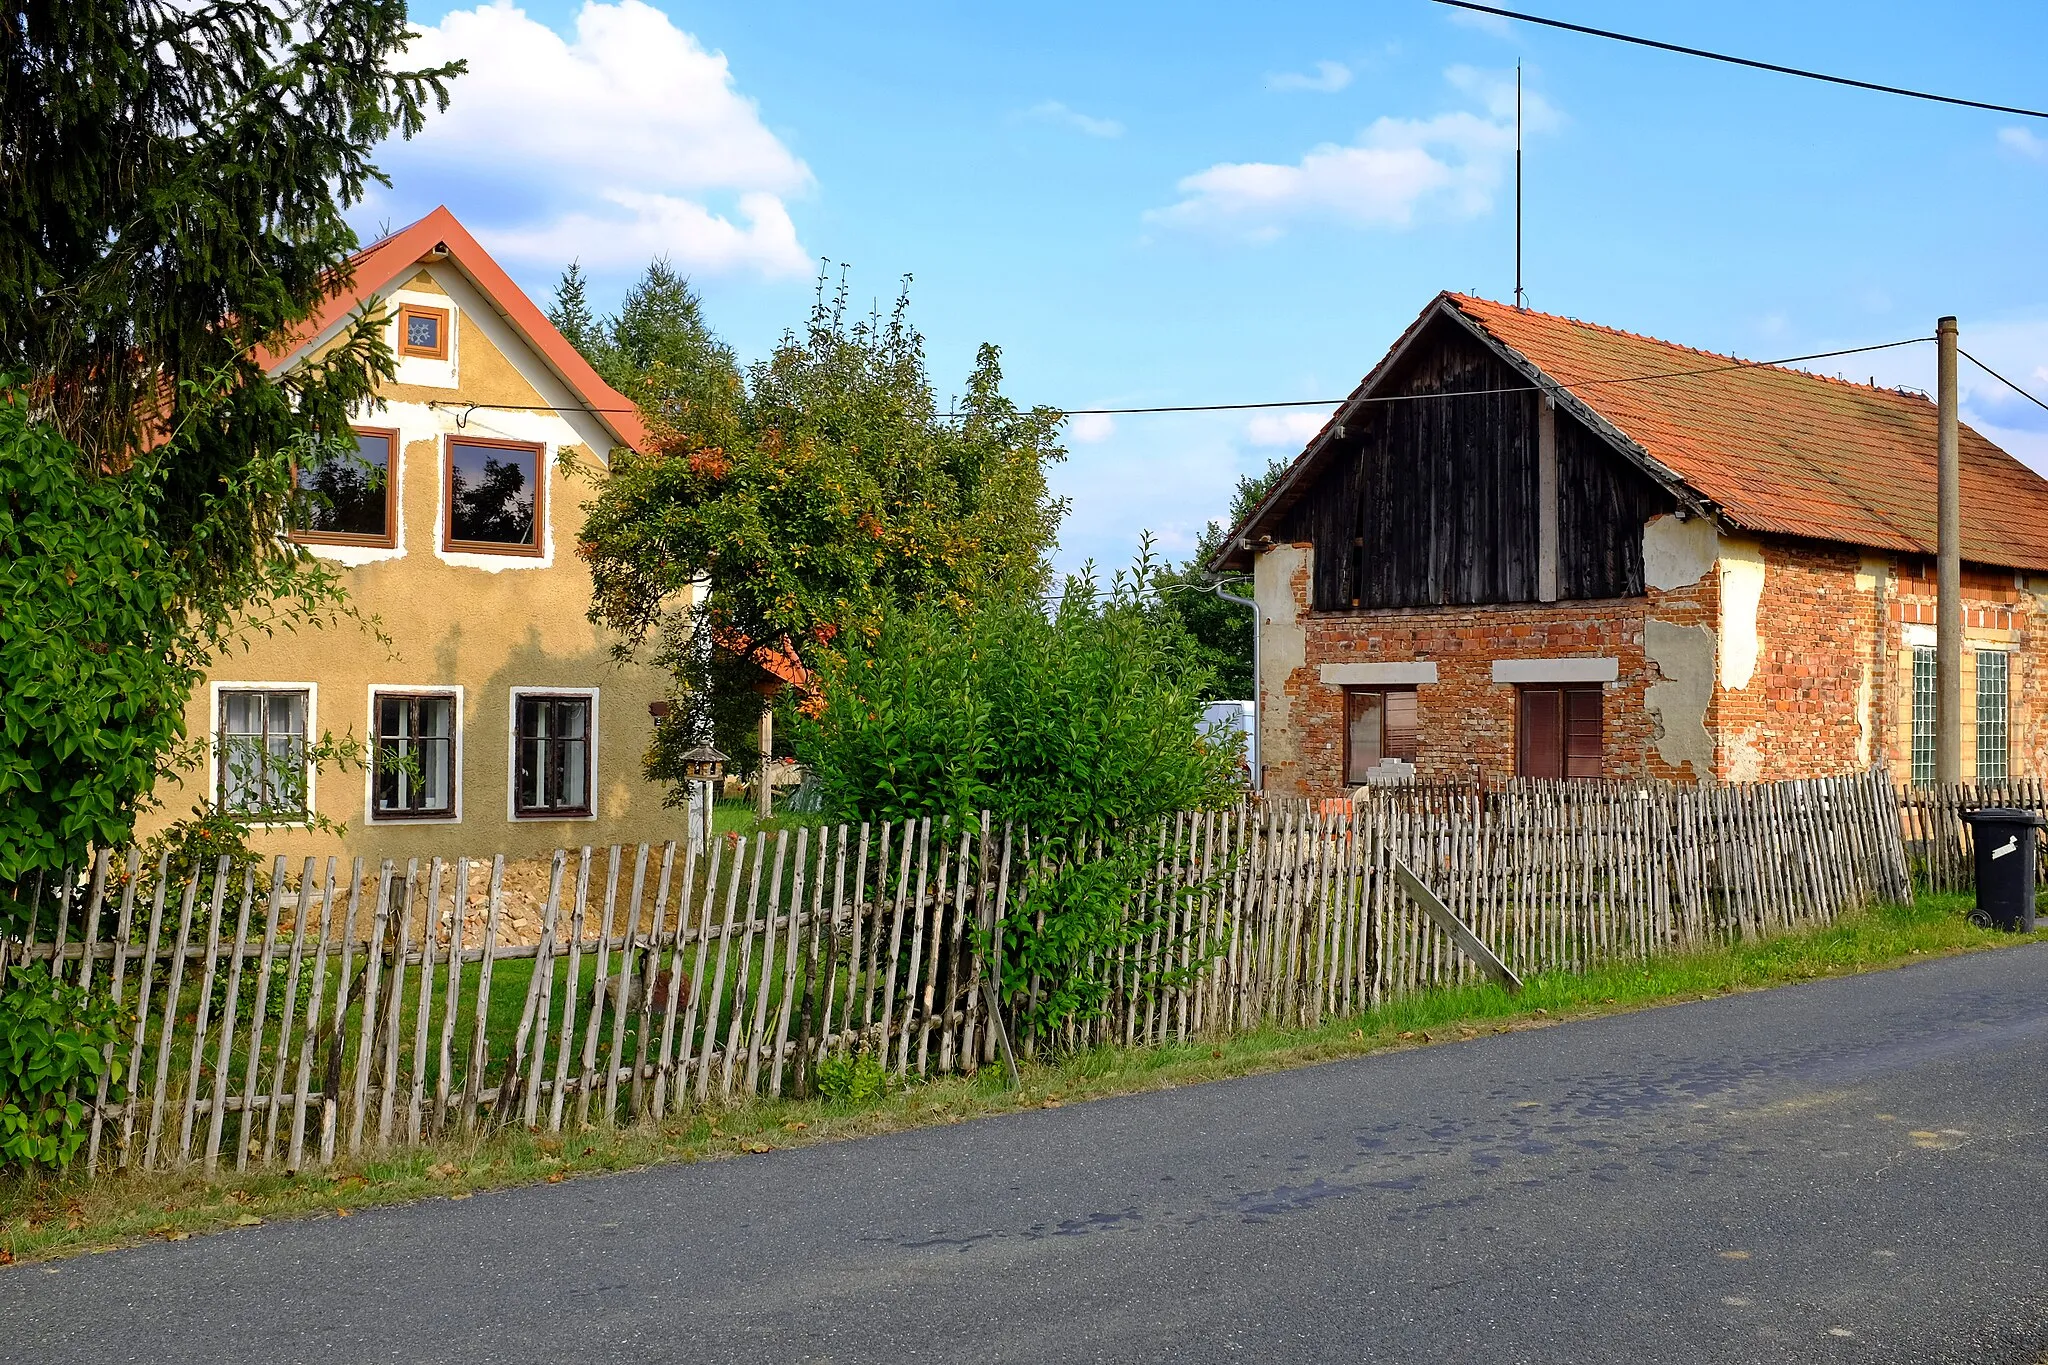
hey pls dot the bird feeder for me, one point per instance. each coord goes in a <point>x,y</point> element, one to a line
<point>704,764</point>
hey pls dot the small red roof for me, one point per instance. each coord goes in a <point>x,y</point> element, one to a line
<point>1781,450</point>
<point>436,238</point>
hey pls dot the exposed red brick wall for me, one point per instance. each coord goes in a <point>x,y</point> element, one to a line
<point>1827,694</point>
<point>1800,715</point>
<point>1466,721</point>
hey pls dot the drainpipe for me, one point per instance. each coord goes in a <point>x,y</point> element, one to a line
<point>1258,683</point>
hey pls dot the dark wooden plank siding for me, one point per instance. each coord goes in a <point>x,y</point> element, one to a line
<point>1602,503</point>
<point>1432,501</point>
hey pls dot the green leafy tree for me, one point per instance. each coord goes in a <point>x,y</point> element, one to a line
<point>1218,632</point>
<point>1081,725</point>
<point>786,516</point>
<point>173,180</point>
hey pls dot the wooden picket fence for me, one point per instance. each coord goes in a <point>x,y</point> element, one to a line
<point>291,1018</point>
<point>1939,844</point>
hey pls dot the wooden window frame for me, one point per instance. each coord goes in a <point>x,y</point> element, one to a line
<point>1382,692</point>
<point>1564,690</point>
<point>443,316</point>
<point>449,543</point>
<point>448,814</point>
<point>588,809</point>
<point>387,541</point>
<point>264,817</point>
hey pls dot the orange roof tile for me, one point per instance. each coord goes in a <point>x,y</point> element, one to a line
<point>1780,450</point>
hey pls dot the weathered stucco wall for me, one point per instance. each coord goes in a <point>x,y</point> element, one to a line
<point>481,623</point>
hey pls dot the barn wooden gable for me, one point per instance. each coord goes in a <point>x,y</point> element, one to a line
<point>1433,490</point>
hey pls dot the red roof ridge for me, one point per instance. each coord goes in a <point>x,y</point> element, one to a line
<point>1742,362</point>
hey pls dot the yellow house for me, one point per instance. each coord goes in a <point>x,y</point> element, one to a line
<point>496,718</point>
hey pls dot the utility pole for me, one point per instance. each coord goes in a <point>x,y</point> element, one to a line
<point>1948,567</point>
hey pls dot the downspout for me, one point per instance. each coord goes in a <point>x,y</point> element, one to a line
<point>1258,681</point>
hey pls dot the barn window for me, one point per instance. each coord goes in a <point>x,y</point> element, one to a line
<point>1924,693</point>
<point>1560,732</point>
<point>1991,715</point>
<point>1379,724</point>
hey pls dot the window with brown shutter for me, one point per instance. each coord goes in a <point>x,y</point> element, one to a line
<point>1379,724</point>
<point>1559,734</point>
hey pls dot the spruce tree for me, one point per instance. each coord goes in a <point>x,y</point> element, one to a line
<point>173,184</point>
<point>570,310</point>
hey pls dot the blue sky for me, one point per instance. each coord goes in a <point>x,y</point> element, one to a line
<point>1189,204</point>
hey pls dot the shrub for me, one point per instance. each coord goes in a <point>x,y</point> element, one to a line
<point>853,1079</point>
<point>1082,725</point>
<point>53,1040</point>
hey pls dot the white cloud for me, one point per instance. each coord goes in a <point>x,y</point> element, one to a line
<point>1397,171</point>
<point>1090,428</point>
<point>2024,141</point>
<point>1494,24</point>
<point>1052,111</point>
<point>1284,428</point>
<point>1327,79</point>
<point>626,140</point>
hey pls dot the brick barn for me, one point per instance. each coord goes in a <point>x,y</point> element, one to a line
<point>1531,545</point>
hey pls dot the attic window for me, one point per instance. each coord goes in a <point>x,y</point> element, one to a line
<point>423,332</point>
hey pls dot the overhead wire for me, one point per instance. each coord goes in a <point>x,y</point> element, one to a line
<point>2002,379</point>
<point>1750,62</point>
<point>1726,367</point>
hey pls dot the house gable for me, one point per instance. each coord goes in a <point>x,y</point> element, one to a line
<point>1429,491</point>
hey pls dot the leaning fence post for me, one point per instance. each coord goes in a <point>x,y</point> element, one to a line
<point>1455,927</point>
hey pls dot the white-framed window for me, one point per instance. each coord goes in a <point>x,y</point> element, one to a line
<point>416,763</point>
<point>260,765</point>
<point>1993,703</point>
<point>554,753</point>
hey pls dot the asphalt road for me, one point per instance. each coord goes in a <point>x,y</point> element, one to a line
<point>1849,1170</point>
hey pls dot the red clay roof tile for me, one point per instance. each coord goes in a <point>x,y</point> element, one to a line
<point>1782,450</point>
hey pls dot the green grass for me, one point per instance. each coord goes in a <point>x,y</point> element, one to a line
<point>60,1216</point>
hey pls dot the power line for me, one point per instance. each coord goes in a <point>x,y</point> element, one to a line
<point>2001,378</point>
<point>1481,393</point>
<point>1322,402</point>
<point>1743,61</point>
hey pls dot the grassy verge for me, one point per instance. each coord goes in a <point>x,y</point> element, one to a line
<point>51,1217</point>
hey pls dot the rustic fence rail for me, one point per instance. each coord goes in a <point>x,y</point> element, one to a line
<point>288,1016</point>
<point>1940,846</point>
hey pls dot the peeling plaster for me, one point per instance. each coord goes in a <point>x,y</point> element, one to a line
<point>1677,554</point>
<point>1745,759</point>
<point>1742,589</point>
<point>1684,655</point>
<point>1283,649</point>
